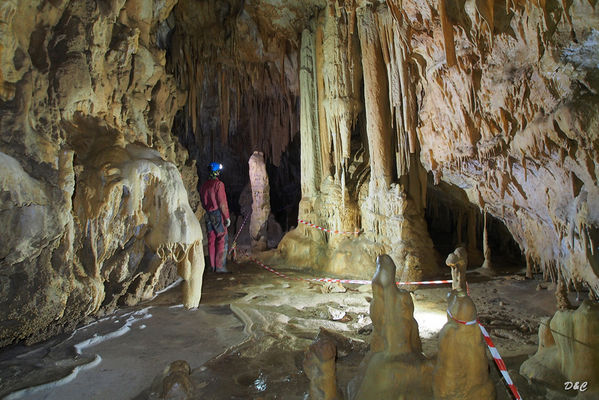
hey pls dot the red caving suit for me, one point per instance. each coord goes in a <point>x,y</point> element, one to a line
<point>214,200</point>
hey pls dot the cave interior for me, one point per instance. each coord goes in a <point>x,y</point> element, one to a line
<point>363,142</point>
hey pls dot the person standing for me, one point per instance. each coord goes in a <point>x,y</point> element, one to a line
<point>214,201</point>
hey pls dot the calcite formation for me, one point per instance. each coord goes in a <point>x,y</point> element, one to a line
<point>458,262</point>
<point>319,365</point>
<point>85,202</point>
<point>260,202</point>
<point>129,198</point>
<point>492,103</point>
<point>176,383</point>
<point>395,366</point>
<point>567,352</point>
<point>461,370</point>
<point>496,99</point>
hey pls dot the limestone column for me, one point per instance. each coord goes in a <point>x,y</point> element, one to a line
<point>376,99</point>
<point>309,130</point>
<point>260,201</point>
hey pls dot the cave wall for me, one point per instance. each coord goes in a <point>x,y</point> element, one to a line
<point>496,99</point>
<point>93,212</point>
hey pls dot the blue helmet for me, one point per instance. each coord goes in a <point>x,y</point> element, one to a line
<point>215,167</point>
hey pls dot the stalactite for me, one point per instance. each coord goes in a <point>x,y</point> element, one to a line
<point>376,100</point>
<point>447,28</point>
<point>341,82</point>
<point>209,62</point>
<point>325,140</point>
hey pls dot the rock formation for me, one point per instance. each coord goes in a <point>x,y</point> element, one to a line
<point>85,202</point>
<point>395,366</point>
<point>490,103</point>
<point>567,352</point>
<point>458,262</point>
<point>176,383</point>
<point>495,101</point>
<point>461,370</point>
<point>260,202</point>
<point>319,365</point>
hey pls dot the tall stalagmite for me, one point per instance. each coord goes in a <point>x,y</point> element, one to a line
<point>260,202</point>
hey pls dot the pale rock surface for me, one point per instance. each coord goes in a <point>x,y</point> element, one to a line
<point>568,344</point>
<point>461,370</point>
<point>395,366</point>
<point>260,202</point>
<point>77,78</point>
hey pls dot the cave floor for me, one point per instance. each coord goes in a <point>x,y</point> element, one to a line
<point>248,337</point>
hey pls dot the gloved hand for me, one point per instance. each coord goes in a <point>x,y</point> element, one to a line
<point>227,222</point>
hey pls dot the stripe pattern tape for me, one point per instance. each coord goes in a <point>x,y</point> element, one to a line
<point>500,364</point>
<point>301,221</point>
<point>334,280</point>
<point>496,357</point>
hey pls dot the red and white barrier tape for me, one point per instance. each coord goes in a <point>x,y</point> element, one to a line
<point>325,229</point>
<point>355,281</point>
<point>234,245</point>
<point>496,357</point>
<point>459,321</point>
<point>500,364</point>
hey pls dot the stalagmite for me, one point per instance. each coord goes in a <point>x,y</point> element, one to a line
<point>461,370</point>
<point>567,351</point>
<point>395,366</point>
<point>260,201</point>
<point>486,248</point>
<point>458,262</point>
<point>319,365</point>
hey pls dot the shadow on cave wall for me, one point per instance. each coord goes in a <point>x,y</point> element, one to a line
<point>453,221</point>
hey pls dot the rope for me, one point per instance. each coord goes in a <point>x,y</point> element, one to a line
<point>234,245</point>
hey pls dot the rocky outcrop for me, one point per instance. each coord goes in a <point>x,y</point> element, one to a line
<point>395,366</point>
<point>567,350</point>
<point>84,96</point>
<point>495,101</point>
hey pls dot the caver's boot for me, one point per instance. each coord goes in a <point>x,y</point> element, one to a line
<point>222,270</point>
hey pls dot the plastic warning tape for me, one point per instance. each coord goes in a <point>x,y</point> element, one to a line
<point>500,364</point>
<point>498,360</point>
<point>460,321</point>
<point>334,280</point>
<point>325,229</point>
<point>496,357</point>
